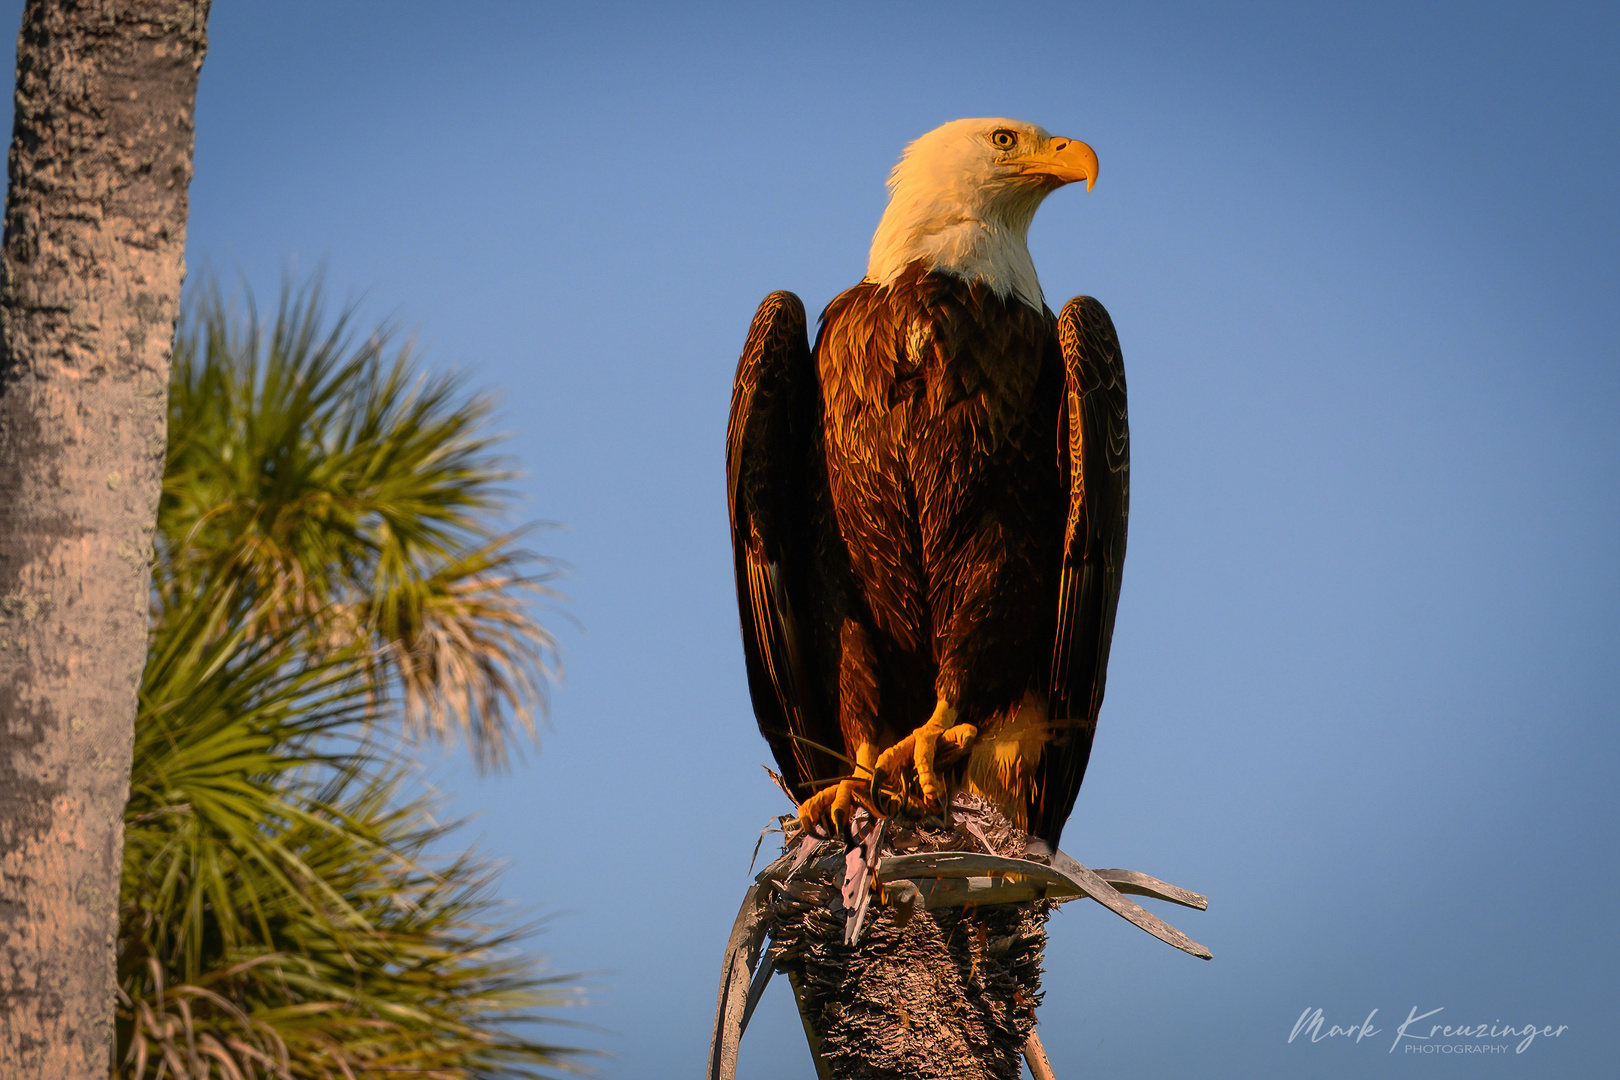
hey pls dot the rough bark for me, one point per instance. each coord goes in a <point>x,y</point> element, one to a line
<point>947,994</point>
<point>90,274</point>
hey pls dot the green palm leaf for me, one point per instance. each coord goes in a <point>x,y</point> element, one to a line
<point>332,478</point>
<point>326,559</point>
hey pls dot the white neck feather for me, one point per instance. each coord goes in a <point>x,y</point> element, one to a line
<point>945,231</point>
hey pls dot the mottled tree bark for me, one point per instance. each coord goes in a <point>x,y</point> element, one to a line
<point>90,276</point>
<point>947,994</point>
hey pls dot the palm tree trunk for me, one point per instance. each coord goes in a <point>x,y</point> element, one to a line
<point>947,994</point>
<point>90,273</point>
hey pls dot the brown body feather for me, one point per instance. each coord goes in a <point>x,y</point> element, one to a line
<point>931,505</point>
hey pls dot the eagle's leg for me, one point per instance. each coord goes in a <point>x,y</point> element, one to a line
<point>922,747</point>
<point>831,806</point>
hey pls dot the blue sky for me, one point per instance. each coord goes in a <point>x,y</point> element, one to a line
<point>1362,259</point>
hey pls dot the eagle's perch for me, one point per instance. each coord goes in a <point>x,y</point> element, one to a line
<point>928,519</point>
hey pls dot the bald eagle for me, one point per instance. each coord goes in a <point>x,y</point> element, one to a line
<point>928,508</point>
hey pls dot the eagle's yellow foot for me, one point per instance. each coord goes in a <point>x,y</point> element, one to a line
<point>828,810</point>
<point>922,747</point>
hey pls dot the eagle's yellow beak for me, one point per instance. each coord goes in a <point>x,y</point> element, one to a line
<point>1061,160</point>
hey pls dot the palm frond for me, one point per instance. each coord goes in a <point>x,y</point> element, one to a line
<point>331,477</point>
<point>326,559</point>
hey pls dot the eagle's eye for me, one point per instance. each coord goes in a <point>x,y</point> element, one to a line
<point>1002,139</point>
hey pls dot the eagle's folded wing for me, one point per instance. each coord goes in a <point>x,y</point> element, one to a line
<point>769,462</point>
<point>1098,470</point>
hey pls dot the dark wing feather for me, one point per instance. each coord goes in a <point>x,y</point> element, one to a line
<point>1099,470</point>
<point>770,469</point>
